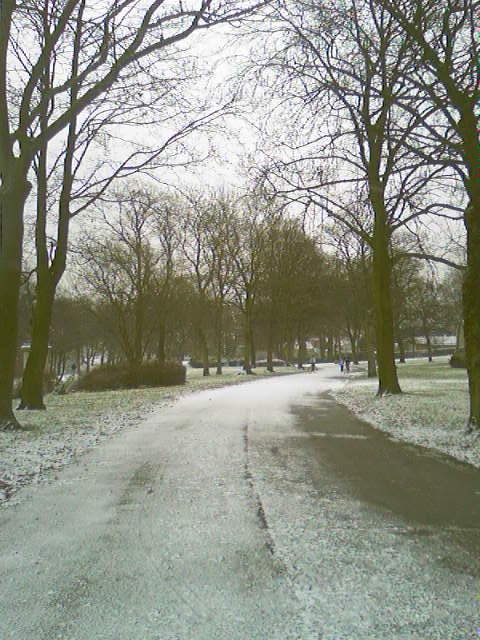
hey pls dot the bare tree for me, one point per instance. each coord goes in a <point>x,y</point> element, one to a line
<point>195,247</point>
<point>291,288</point>
<point>247,240</point>
<point>445,39</point>
<point>74,191</point>
<point>355,304</point>
<point>108,40</point>
<point>219,208</point>
<point>118,268</point>
<point>167,220</point>
<point>345,68</point>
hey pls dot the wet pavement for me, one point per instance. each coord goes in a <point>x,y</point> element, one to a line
<point>425,488</point>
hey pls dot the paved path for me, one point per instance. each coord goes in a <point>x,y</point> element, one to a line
<point>262,511</point>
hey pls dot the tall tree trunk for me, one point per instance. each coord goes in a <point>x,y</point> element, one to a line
<point>353,343</point>
<point>162,336</point>
<point>270,344</point>
<point>468,126</point>
<point>429,347</point>
<point>355,352</point>
<point>471,311</point>
<point>13,192</point>
<point>338,346</point>
<point>253,348</point>
<point>371,361</point>
<point>204,350</point>
<point>247,362</point>
<point>387,372</point>
<point>401,348</point>
<point>289,350</point>
<point>48,276</point>
<point>33,377</point>
<point>330,349</point>
<point>219,338</point>
<point>249,354</point>
<point>270,357</point>
<point>321,346</point>
<point>302,351</point>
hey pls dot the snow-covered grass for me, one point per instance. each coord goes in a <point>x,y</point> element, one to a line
<point>432,411</point>
<point>77,421</point>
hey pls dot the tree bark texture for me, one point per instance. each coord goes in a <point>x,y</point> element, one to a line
<point>302,351</point>
<point>247,356</point>
<point>401,349</point>
<point>371,362</point>
<point>387,372</point>
<point>270,345</point>
<point>330,349</point>
<point>468,128</point>
<point>13,193</point>
<point>219,338</point>
<point>204,350</point>
<point>471,308</point>
<point>162,333</point>
<point>33,376</point>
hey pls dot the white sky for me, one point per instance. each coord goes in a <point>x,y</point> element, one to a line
<point>223,52</point>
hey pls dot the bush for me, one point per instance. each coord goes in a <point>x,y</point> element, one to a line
<point>458,360</point>
<point>149,374</point>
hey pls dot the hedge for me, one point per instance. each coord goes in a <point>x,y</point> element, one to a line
<point>149,374</point>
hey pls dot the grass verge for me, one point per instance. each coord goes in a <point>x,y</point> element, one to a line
<point>432,411</point>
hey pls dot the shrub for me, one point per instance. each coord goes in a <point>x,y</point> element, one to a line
<point>148,374</point>
<point>458,361</point>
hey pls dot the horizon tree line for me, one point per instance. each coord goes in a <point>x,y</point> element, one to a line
<point>221,276</point>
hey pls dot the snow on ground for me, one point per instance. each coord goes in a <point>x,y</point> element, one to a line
<point>75,422</point>
<point>230,474</point>
<point>432,412</point>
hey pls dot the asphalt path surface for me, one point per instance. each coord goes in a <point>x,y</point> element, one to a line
<point>261,511</point>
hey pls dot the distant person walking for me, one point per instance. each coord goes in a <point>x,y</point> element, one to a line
<point>341,365</point>
<point>347,365</point>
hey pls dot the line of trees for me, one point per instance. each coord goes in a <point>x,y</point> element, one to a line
<point>382,96</point>
<point>70,72</point>
<point>226,269</point>
<point>222,276</point>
